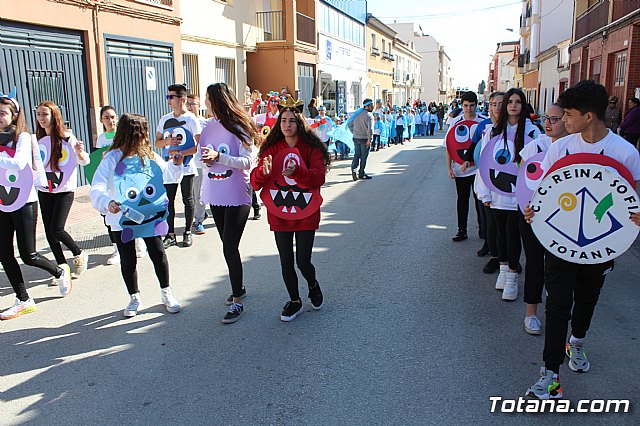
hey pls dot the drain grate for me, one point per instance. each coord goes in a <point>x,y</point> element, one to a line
<point>93,242</point>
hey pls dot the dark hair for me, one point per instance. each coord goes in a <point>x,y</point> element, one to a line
<point>635,101</point>
<point>503,120</point>
<point>530,109</point>
<point>312,103</point>
<point>495,95</point>
<point>305,134</point>
<point>180,89</point>
<point>19,123</point>
<point>57,134</point>
<point>469,97</point>
<point>231,114</point>
<point>586,96</point>
<point>102,111</point>
<point>132,137</point>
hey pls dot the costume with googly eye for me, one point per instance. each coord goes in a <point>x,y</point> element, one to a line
<point>136,186</point>
<point>226,181</point>
<point>57,179</point>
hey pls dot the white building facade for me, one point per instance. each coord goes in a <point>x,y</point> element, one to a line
<point>342,62</point>
<point>502,72</point>
<point>436,81</point>
<point>553,60</point>
<point>406,73</point>
<point>215,39</point>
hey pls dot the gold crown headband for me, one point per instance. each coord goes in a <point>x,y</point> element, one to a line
<point>290,102</point>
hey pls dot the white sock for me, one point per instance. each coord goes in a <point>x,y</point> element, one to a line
<point>575,340</point>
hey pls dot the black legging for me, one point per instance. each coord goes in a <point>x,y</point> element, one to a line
<point>492,232</point>
<point>23,223</point>
<point>254,201</point>
<point>55,209</point>
<point>129,261</point>
<point>574,290</point>
<point>186,188</point>
<point>509,247</point>
<point>375,144</point>
<point>463,189</point>
<point>109,231</point>
<point>230,222</point>
<point>534,263</point>
<point>399,134</point>
<point>304,246</point>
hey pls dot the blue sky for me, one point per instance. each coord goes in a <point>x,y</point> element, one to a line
<point>469,30</point>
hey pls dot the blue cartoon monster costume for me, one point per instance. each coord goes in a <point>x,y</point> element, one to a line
<point>175,128</point>
<point>141,189</point>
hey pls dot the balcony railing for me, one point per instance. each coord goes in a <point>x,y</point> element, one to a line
<point>271,24</point>
<point>306,28</point>
<point>385,55</point>
<point>392,57</point>
<point>592,19</point>
<point>166,4</point>
<point>375,51</point>
<point>623,8</point>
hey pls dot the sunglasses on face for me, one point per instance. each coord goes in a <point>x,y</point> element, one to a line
<point>551,120</point>
<point>192,103</point>
<point>169,97</point>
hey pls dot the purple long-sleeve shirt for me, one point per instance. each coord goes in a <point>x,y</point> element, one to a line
<point>631,122</point>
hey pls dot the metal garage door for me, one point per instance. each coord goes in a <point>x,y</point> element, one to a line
<point>138,74</point>
<point>306,83</point>
<point>47,64</point>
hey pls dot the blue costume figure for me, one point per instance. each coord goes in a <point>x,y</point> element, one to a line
<point>384,132</point>
<point>342,134</point>
<point>142,197</point>
<point>176,129</point>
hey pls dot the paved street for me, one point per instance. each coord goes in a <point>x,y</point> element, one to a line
<point>411,331</point>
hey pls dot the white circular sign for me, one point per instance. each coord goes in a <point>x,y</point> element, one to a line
<point>582,213</point>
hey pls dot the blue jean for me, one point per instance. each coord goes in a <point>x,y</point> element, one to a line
<point>360,155</point>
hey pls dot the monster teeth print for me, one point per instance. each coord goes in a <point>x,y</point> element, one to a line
<point>54,179</point>
<point>8,197</point>
<point>220,176</point>
<point>291,201</point>
<point>506,182</point>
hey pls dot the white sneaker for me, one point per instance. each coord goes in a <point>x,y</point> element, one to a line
<point>114,259</point>
<point>80,263</point>
<point>64,282</point>
<point>18,309</point>
<point>169,301</point>
<point>141,248</point>
<point>134,305</point>
<point>510,291</point>
<point>502,277</point>
<point>532,325</point>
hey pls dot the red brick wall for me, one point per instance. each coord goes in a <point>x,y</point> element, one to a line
<point>633,59</point>
<point>625,38</point>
